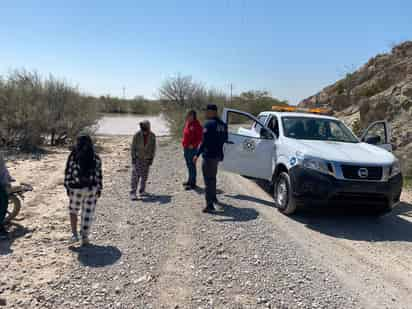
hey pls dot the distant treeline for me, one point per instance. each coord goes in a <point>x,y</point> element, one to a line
<point>179,94</point>
<point>138,105</point>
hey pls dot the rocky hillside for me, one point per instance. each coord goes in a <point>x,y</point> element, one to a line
<point>380,89</point>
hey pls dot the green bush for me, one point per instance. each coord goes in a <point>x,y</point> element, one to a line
<point>340,87</point>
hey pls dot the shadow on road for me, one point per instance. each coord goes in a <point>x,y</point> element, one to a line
<point>233,214</point>
<point>200,190</point>
<point>242,197</point>
<point>97,256</point>
<point>157,198</point>
<point>350,222</point>
<point>355,224</point>
<point>15,231</point>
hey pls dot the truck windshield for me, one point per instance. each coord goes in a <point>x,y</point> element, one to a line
<point>321,129</point>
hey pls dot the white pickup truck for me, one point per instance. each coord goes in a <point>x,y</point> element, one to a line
<point>313,159</point>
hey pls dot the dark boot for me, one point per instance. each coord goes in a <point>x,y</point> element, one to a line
<point>209,209</point>
<point>4,235</point>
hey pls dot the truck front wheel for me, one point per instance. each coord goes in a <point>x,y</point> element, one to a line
<point>283,196</point>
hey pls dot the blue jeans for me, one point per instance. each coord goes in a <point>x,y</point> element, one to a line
<point>191,167</point>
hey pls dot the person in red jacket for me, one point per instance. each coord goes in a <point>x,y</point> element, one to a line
<point>192,137</point>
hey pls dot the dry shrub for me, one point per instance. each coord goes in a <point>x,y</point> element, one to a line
<point>36,111</point>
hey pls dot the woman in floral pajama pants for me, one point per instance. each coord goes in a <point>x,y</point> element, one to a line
<point>83,182</point>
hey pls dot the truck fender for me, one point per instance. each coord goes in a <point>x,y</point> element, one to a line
<point>282,165</point>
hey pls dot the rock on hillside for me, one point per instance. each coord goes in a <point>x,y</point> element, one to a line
<point>380,89</point>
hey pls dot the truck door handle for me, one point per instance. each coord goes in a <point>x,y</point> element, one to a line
<point>229,142</point>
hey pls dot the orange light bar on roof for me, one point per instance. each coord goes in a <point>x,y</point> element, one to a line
<point>279,108</point>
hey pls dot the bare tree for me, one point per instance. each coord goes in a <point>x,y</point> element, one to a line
<point>181,90</point>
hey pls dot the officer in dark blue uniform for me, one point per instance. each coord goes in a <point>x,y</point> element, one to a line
<point>214,137</point>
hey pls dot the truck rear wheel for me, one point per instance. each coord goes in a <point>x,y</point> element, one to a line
<point>283,196</point>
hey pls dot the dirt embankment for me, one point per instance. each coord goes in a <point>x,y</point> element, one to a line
<point>162,252</point>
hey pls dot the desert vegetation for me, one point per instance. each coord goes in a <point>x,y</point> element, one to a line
<point>37,110</point>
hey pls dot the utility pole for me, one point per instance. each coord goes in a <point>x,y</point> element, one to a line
<point>231,92</point>
<point>124,92</point>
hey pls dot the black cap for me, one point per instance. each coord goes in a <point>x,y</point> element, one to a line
<point>211,107</point>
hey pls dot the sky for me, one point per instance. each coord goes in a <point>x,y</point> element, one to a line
<point>290,48</point>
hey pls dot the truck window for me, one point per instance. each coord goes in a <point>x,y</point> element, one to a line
<point>244,125</point>
<point>274,125</point>
<point>377,131</point>
<point>322,129</point>
<point>256,126</point>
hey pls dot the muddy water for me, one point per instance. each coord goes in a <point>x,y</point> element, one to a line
<point>111,124</point>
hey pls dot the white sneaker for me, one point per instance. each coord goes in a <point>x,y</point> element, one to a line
<point>219,208</point>
<point>74,238</point>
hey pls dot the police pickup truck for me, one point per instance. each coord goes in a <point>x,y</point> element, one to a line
<point>314,159</point>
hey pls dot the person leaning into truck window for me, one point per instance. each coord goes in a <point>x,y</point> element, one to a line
<point>143,153</point>
<point>215,135</point>
<point>192,137</point>
<point>83,182</point>
<point>5,180</point>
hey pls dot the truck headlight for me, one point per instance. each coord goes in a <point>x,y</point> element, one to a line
<point>316,164</point>
<point>395,169</point>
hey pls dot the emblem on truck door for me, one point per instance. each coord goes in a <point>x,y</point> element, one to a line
<point>249,145</point>
<point>363,172</point>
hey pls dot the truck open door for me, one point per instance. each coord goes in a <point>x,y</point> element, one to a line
<point>247,153</point>
<point>379,134</point>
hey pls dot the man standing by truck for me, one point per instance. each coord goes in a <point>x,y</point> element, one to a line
<point>214,137</point>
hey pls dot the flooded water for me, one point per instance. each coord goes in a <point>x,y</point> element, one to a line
<point>113,124</point>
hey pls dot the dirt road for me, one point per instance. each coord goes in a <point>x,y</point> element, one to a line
<point>162,252</point>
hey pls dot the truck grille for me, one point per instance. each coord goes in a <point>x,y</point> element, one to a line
<point>362,172</point>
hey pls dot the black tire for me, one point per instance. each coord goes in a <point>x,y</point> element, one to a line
<point>13,208</point>
<point>283,196</point>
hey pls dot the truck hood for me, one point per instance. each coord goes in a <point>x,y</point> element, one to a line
<point>344,152</point>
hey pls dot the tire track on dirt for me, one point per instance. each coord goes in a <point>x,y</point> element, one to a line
<point>175,282</point>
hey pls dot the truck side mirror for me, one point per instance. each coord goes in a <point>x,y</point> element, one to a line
<point>373,140</point>
<point>265,133</point>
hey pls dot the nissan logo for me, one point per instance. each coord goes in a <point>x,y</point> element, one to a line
<point>363,172</point>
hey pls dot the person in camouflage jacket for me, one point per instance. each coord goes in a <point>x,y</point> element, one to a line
<point>143,151</point>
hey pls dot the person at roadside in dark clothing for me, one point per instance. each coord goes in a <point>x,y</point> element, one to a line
<point>192,137</point>
<point>5,180</point>
<point>215,135</point>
